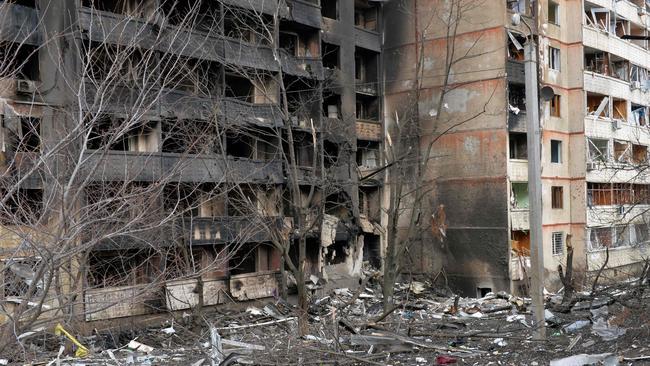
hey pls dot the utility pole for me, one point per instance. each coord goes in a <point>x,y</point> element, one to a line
<point>534,140</point>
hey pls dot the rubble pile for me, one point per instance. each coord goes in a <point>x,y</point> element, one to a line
<point>348,327</point>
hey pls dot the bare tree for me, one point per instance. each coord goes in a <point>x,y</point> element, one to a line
<point>116,161</point>
<point>410,145</point>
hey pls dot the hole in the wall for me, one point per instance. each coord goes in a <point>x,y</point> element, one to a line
<point>483,291</point>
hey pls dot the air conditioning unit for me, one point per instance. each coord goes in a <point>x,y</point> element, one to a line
<point>592,165</point>
<point>620,210</point>
<point>617,124</point>
<point>635,85</point>
<point>25,87</point>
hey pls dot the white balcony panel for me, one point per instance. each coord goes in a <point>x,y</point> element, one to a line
<point>602,40</point>
<point>616,215</point>
<point>604,128</point>
<point>518,170</point>
<point>519,220</point>
<point>618,257</point>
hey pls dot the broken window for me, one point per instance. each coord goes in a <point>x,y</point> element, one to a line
<point>555,106</point>
<point>133,8</point>
<point>329,9</point>
<point>622,193</point>
<point>266,90</point>
<point>641,193</point>
<point>304,149</point>
<point>621,151</point>
<point>516,97</point>
<point>515,46</point>
<point>639,114</point>
<point>331,153</point>
<point>620,27</point>
<point>596,61</point>
<point>242,202</point>
<point>184,199</point>
<point>19,61</point>
<point>23,207</point>
<point>557,240</point>
<point>365,15</point>
<point>641,234</point>
<point>239,88</point>
<point>367,108</point>
<point>246,25</point>
<point>598,150</point>
<point>332,105</point>
<point>597,18</point>
<point>368,154</point>
<point>199,77</point>
<point>619,108</point>
<point>240,145</point>
<point>190,136</point>
<point>199,15</point>
<point>17,276</point>
<point>556,151</point>
<point>553,13</point>
<point>121,134</point>
<point>599,194</point>
<point>121,268</point>
<point>518,146</point>
<point>519,195</point>
<point>597,105</point>
<point>266,146</point>
<point>554,59</point>
<point>557,197</point>
<point>620,68</point>
<point>289,42</point>
<point>601,238</point>
<point>639,154</point>
<point>331,56</point>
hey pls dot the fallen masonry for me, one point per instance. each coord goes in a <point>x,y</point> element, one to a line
<point>350,327</point>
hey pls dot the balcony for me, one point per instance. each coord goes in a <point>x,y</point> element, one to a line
<point>252,286</point>
<point>367,39</point>
<point>20,24</point>
<point>517,121</point>
<point>605,41</point>
<point>607,85</point>
<point>116,302</point>
<point>153,166</point>
<point>305,12</point>
<point>519,219</point>
<point>230,229</point>
<point>238,112</point>
<point>266,7</point>
<point>309,67</point>
<point>255,56</point>
<point>518,170</point>
<point>515,72</point>
<point>118,29</point>
<point>366,87</point>
<point>181,294</point>
<point>608,215</point>
<point>369,130</point>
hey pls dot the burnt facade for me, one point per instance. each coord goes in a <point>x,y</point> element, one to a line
<point>157,149</point>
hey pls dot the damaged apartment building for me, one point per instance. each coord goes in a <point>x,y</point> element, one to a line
<point>151,150</point>
<point>594,140</point>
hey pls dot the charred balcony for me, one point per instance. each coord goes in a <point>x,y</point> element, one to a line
<point>20,23</point>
